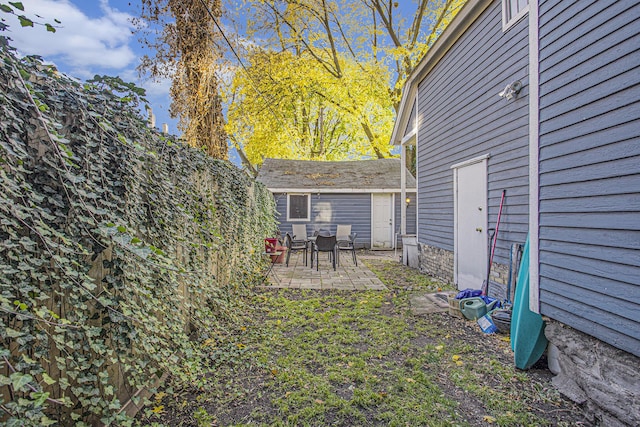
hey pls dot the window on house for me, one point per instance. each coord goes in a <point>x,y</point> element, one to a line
<point>298,207</point>
<point>512,11</point>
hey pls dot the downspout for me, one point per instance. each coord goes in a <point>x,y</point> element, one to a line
<point>534,157</point>
<point>403,189</point>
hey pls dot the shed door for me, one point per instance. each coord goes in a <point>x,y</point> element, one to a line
<point>382,221</point>
<point>470,247</point>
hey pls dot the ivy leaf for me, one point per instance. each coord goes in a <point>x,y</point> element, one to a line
<point>50,28</point>
<point>18,5</point>
<point>19,380</point>
<point>15,422</point>
<point>25,22</point>
<point>6,8</point>
<point>38,397</point>
<point>12,333</point>
<point>64,383</point>
<point>47,379</point>
<point>46,421</point>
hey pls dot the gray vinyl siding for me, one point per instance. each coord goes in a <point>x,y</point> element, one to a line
<point>342,208</point>
<point>411,215</point>
<point>461,117</point>
<point>590,168</point>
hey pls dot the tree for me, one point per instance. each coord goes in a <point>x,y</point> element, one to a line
<point>304,113</point>
<point>348,59</point>
<point>184,35</point>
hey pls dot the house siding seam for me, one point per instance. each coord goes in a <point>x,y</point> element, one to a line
<point>589,197</point>
<point>461,116</point>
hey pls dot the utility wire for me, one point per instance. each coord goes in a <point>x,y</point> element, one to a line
<point>253,83</point>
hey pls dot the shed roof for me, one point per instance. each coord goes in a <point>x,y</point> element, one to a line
<point>383,175</point>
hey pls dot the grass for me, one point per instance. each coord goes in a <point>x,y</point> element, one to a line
<point>319,358</point>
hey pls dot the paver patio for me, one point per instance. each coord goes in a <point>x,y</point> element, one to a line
<point>347,275</point>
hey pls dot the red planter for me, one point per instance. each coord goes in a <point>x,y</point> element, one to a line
<point>270,244</point>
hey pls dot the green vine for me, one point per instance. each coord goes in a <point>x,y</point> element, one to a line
<point>122,250</point>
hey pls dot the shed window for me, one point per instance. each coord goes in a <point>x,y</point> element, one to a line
<point>298,207</point>
<point>512,11</point>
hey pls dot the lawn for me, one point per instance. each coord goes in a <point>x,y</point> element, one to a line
<point>343,358</point>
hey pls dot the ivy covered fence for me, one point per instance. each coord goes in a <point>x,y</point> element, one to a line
<point>121,250</point>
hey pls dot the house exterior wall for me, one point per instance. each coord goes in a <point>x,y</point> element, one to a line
<point>411,215</point>
<point>411,122</point>
<point>330,209</point>
<point>589,201</point>
<point>460,117</point>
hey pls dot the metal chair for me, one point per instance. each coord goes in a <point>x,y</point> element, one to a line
<point>324,244</point>
<point>348,245</point>
<point>294,245</point>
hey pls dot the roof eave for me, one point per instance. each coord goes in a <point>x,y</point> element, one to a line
<point>462,21</point>
<point>337,190</point>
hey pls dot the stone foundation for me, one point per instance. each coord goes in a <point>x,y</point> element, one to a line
<point>498,279</point>
<point>436,262</point>
<point>499,273</point>
<point>590,372</point>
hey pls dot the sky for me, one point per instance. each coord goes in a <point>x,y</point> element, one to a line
<point>94,37</point>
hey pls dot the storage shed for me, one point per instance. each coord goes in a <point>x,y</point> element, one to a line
<point>366,194</point>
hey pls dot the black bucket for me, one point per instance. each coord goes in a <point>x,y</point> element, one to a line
<point>502,319</point>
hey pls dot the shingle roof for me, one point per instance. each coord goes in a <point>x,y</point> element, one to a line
<point>349,176</point>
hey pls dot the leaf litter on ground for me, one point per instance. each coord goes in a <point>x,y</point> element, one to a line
<point>343,358</point>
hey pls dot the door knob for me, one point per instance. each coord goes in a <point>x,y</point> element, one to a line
<point>479,229</point>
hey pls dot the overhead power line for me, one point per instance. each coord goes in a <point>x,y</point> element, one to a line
<point>233,50</point>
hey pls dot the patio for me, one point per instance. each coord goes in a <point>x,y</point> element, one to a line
<point>346,276</point>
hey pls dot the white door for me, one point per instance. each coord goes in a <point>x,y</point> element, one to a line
<point>382,221</point>
<point>470,246</point>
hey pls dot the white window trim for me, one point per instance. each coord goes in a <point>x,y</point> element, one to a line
<point>514,19</point>
<point>308,218</point>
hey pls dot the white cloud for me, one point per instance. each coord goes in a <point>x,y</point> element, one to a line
<point>157,87</point>
<point>88,45</point>
<point>83,44</point>
<point>154,86</point>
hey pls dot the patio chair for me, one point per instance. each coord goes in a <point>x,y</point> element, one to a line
<point>342,232</point>
<point>299,233</point>
<point>324,244</point>
<point>348,245</point>
<point>294,245</point>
